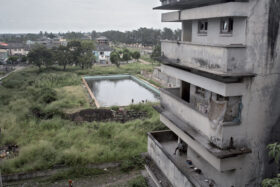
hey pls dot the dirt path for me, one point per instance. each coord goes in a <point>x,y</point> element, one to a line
<point>17,68</point>
<point>110,179</point>
<point>144,62</point>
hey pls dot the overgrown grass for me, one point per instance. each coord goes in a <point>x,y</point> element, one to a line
<point>30,108</point>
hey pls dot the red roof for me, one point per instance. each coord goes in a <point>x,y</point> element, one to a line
<point>3,44</point>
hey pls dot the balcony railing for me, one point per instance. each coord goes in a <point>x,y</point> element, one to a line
<point>161,146</point>
<point>181,172</point>
<point>219,59</point>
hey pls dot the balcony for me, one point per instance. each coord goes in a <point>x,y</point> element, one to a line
<point>219,135</point>
<point>216,59</point>
<point>161,147</point>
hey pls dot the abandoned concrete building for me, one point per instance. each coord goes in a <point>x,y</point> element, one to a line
<point>227,108</point>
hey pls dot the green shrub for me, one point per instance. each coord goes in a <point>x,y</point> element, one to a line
<point>138,182</point>
<point>136,162</point>
<point>48,95</point>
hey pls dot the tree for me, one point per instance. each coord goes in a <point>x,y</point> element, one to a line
<point>63,56</point>
<point>136,55</point>
<point>115,58</point>
<point>86,58</point>
<point>13,60</point>
<point>156,53</point>
<point>24,59</point>
<point>40,56</point>
<point>274,152</point>
<point>167,34</point>
<point>75,48</point>
<point>126,55</point>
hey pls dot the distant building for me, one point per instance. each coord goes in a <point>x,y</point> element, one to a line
<point>47,42</point>
<point>103,50</point>
<point>227,108</point>
<point>17,49</point>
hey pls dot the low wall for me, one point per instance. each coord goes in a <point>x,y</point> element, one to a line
<point>170,170</point>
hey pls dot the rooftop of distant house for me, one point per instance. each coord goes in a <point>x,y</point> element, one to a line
<point>103,47</point>
<point>12,45</point>
<point>102,38</point>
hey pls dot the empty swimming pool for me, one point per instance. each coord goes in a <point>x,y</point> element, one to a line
<point>121,90</point>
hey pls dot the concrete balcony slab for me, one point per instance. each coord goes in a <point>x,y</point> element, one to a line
<point>231,9</point>
<point>161,147</point>
<point>218,87</point>
<point>187,4</point>
<point>217,59</point>
<point>221,159</point>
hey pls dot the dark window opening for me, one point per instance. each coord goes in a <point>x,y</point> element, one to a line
<point>202,27</point>
<point>227,25</point>
<point>200,91</point>
<point>222,98</point>
<point>185,91</point>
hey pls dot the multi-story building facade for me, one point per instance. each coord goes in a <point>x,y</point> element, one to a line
<point>227,108</point>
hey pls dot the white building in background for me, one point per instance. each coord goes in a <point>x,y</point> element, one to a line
<point>103,50</point>
<point>227,108</point>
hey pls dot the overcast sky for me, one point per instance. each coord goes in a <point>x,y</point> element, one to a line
<point>24,16</point>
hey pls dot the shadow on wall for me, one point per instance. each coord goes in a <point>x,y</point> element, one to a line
<point>273,26</point>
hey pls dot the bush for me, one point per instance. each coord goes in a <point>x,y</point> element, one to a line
<point>48,95</point>
<point>136,162</point>
<point>138,182</point>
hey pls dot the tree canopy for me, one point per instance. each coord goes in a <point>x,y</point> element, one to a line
<point>41,56</point>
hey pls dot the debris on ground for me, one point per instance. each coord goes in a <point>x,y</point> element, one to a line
<point>8,151</point>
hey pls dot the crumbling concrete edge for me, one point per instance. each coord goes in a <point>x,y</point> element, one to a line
<point>91,93</point>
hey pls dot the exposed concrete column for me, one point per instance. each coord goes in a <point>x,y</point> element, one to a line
<point>187,31</point>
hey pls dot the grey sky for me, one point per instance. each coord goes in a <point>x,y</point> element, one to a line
<point>22,16</point>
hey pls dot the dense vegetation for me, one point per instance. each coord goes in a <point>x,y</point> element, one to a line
<point>31,107</point>
<point>76,52</point>
<point>274,153</point>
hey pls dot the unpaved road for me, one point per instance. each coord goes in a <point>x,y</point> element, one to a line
<point>111,179</point>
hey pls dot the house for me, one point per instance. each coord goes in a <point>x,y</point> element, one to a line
<point>103,50</point>
<point>226,109</point>
<point>17,49</point>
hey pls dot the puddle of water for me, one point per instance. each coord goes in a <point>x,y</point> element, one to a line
<point>120,92</point>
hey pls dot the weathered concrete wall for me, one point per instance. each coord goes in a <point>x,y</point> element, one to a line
<point>262,104</point>
<point>167,166</point>
<point>164,79</point>
<point>216,58</point>
<point>214,37</point>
